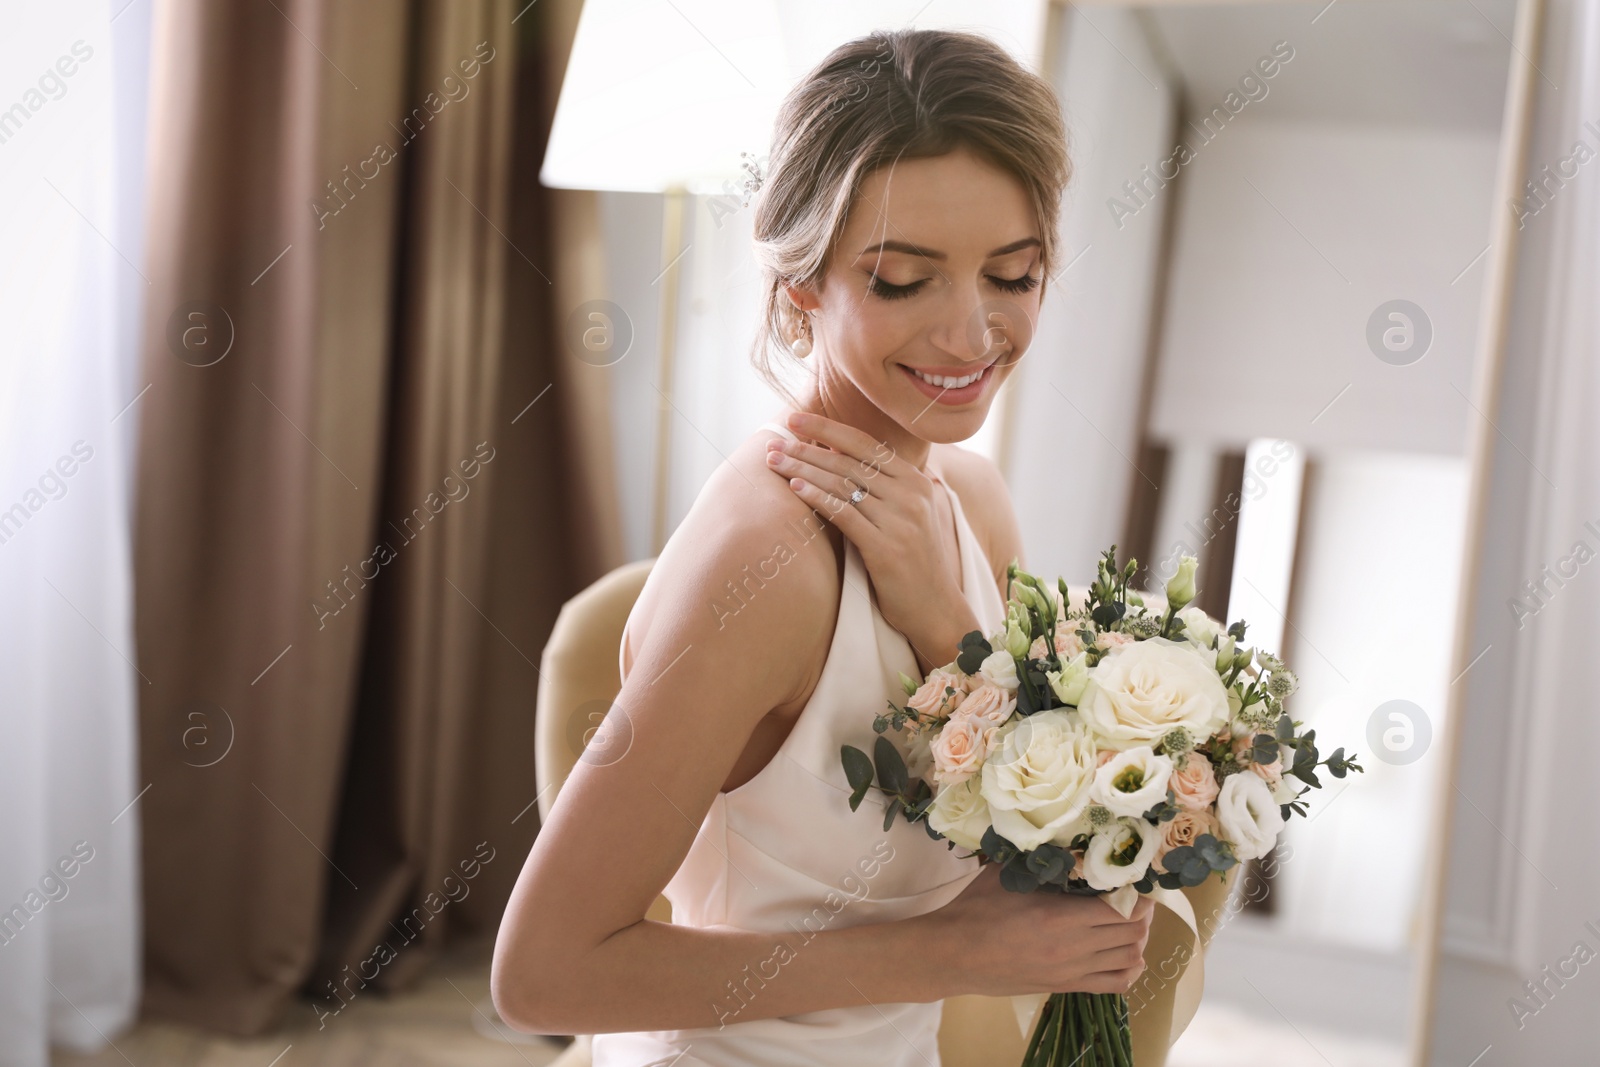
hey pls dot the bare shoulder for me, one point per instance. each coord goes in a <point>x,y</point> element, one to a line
<point>986,500</point>
<point>750,571</point>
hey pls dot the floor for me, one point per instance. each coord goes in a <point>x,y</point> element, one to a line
<point>447,1021</point>
<point>1222,1035</point>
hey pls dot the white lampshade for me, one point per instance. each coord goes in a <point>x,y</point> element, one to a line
<point>661,95</point>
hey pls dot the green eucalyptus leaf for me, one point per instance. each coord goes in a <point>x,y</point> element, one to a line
<point>892,773</point>
<point>858,771</point>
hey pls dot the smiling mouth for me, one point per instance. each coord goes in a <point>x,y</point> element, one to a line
<point>946,381</point>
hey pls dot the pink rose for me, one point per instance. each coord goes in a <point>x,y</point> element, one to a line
<point>1112,639</point>
<point>930,700</point>
<point>1182,829</point>
<point>1037,649</point>
<point>1195,786</point>
<point>960,748</point>
<point>990,703</point>
<point>1243,745</point>
<point>1068,643</point>
<point>1270,772</point>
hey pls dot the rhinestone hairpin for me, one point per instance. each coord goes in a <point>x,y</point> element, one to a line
<point>751,183</point>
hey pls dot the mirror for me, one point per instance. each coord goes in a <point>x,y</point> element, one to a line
<point>1282,219</point>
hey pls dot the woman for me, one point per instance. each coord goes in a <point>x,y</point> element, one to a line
<point>906,229</point>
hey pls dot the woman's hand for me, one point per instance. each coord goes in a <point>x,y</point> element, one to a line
<point>1011,944</point>
<point>896,528</point>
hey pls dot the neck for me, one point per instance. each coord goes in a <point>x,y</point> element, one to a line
<point>840,400</point>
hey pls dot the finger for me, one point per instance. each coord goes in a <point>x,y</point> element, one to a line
<point>835,462</point>
<point>833,484</point>
<point>1109,916</point>
<point>841,513</point>
<point>855,443</point>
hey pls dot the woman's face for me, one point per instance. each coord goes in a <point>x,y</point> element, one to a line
<point>930,295</point>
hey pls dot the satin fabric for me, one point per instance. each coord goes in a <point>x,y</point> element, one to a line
<point>783,853</point>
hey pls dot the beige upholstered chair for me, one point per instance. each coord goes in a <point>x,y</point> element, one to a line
<point>579,669</point>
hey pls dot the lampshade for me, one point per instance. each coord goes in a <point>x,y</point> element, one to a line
<point>664,94</point>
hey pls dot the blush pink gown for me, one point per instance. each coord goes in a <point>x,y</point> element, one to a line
<point>783,853</point>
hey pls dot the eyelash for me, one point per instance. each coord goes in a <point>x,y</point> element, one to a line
<point>887,291</point>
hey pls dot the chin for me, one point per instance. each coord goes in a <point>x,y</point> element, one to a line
<point>947,413</point>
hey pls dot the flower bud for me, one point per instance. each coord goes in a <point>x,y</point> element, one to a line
<point>1180,588</point>
<point>1016,641</point>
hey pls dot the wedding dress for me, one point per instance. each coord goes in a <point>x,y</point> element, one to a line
<point>783,853</point>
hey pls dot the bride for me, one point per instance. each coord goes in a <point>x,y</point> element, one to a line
<point>905,230</point>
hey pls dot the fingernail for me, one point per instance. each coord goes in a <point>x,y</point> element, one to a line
<point>774,458</point>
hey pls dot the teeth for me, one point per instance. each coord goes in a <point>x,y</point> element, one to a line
<point>949,383</point>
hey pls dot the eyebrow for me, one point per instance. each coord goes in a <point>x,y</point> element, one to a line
<point>928,253</point>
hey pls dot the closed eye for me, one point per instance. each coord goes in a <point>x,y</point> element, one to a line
<point>889,291</point>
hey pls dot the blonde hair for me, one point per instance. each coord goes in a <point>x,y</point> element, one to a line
<point>892,95</point>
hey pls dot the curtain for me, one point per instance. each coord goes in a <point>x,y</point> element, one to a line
<point>365,489</point>
<point>71,118</point>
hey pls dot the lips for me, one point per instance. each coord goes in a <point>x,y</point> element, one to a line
<point>951,394</point>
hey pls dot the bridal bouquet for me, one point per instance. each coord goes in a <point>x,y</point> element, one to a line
<point>1102,749</point>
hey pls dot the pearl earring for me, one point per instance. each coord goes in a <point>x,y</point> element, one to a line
<point>801,346</point>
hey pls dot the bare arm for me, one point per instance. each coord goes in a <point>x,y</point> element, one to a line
<point>574,952</point>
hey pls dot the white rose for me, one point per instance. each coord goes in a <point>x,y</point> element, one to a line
<point>1199,627</point>
<point>1069,681</point>
<point>1037,778</point>
<point>1139,692</point>
<point>998,667</point>
<point>960,813</point>
<point>1107,862</point>
<point>1133,781</point>
<point>1249,815</point>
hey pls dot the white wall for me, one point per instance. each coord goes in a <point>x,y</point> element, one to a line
<point>1289,236</point>
<point>1524,849</point>
<point>1075,395</point>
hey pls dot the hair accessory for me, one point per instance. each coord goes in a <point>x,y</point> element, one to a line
<point>751,183</point>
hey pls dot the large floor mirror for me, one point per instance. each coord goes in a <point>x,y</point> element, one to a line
<point>1303,201</point>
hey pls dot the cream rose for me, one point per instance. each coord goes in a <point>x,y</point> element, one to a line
<point>1138,692</point>
<point>989,703</point>
<point>998,668</point>
<point>1119,853</point>
<point>1132,782</point>
<point>1183,828</point>
<point>931,701</point>
<point>960,749</point>
<point>1195,787</point>
<point>1037,778</point>
<point>960,813</point>
<point>1249,817</point>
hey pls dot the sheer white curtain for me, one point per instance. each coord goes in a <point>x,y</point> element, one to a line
<point>71,161</point>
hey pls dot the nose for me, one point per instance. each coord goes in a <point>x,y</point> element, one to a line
<point>961,328</point>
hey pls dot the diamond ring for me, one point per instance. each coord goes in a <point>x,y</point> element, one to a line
<point>858,495</point>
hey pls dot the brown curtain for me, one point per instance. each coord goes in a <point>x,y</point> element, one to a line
<point>353,531</point>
